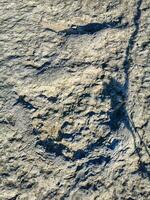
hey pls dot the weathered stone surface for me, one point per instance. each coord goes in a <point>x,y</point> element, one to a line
<point>74,100</point>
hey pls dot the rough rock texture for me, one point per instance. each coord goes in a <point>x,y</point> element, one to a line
<point>74,100</point>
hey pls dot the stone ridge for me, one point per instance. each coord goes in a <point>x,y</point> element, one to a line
<point>74,100</point>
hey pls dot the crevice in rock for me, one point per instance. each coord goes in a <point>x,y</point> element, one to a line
<point>43,67</point>
<point>128,60</point>
<point>127,64</point>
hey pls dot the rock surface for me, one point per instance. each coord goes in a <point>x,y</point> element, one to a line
<point>74,100</point>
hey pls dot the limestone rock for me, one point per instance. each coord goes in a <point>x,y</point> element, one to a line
<point>74,100</point>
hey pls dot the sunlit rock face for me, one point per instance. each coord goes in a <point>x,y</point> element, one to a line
<point>74,100</point>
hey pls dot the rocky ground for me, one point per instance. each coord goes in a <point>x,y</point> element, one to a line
<point>74,100</point>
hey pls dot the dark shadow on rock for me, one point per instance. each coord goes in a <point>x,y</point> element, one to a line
<point>99,161</point>
<point>79,154</point>
<point>92,28</point>
<point>143,170</point>
<point>113,145</point>
<point>21,100</point>
<point>52,99</point>
<point>53,147</point>
<point>82,153</point>
<point>117,113</point>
